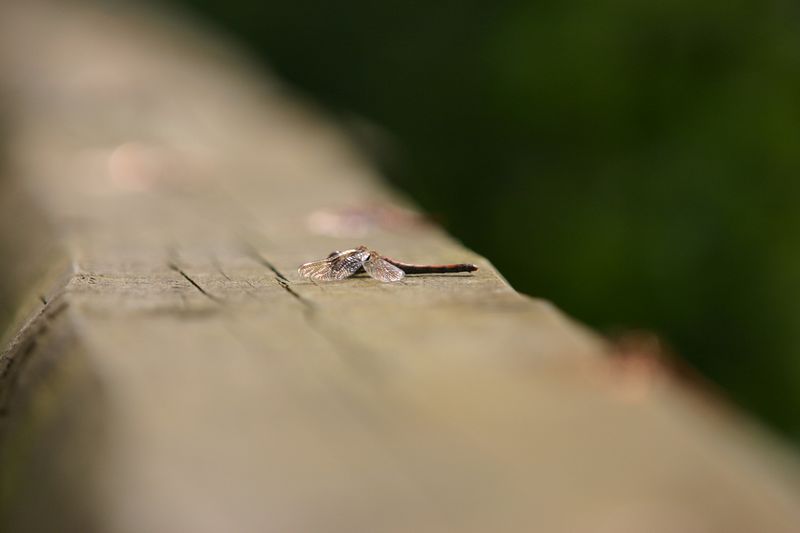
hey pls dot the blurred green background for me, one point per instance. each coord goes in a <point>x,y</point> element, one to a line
<point>635,162</point>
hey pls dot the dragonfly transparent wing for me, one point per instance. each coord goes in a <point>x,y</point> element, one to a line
<point>334,268</point>
<point>382,270</point>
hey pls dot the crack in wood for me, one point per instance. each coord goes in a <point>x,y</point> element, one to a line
<point>346,347</point>
<point>260,259</point>
<point>218,267</point>
<point>196,285</point>
<point>20,348</point>
<point>283,282</point>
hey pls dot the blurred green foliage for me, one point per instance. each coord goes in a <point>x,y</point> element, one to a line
<point>635,162</point>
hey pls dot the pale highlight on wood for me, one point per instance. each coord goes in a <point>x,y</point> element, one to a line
<point>166,369</point>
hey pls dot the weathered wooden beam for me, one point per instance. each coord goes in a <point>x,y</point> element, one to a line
<point>166,370</point>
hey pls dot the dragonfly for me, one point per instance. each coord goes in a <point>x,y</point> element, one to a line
<point>342,265</point>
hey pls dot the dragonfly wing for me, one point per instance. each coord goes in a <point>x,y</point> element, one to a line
<point>338,267</point>
<point>382,270</point>
<point>319,270</point>
<point>346,264</point>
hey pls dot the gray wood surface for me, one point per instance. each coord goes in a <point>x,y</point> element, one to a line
<point>165,370</point>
